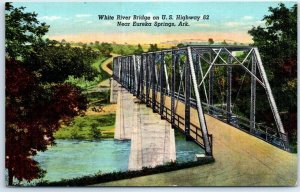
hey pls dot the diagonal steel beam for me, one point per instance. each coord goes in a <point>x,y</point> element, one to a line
<point>211,65</point>
<point>201,117</point>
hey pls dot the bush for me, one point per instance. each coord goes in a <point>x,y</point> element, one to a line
<point>87,128</point>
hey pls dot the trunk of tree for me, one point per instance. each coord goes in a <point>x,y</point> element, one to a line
<point>10,177</point>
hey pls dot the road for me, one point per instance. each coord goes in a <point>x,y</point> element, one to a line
<point>104,67</point>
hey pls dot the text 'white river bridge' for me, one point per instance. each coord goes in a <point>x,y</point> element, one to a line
<point>208,79</point>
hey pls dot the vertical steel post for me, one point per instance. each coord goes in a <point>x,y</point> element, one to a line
<point>162,84</point>
<point>201,117</point>
<point>135,73</point>
<point>174,58</point>
<point>153,79</point>
<point>120,70</point>
<point>211,85</point>
<point>187,96</point>
<point>253,95</point>
<point>147,79</point>
<point>131,75</point>
<point>142,78</point>
<point>229,87</point>
<point>127,73</point>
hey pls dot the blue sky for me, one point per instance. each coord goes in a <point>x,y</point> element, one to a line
<point>227,20</point>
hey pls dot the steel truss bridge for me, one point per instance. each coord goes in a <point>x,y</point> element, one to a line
<point>187,75</point>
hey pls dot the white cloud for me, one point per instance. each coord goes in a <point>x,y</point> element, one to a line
<point>108,23</point>
<point>83,15</point>
<point>232,24</point>
<point>259,22</point>
<point>50,18</point>
<point>203,25</point>
<point>247,18</point>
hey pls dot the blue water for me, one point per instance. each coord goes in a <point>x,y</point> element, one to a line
<point>186,150</point>
<point>69,159</point>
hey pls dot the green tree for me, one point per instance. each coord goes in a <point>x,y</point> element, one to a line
<point>139,50</point>
<point>210,41</point>
<point>277,43</point>
<point>180,45</point>
<point>22,30</point>
<point>153,48</point>
<point>55,62</point>
<point>224,43</point>
<point>105,49</point>
<point>34,110</point>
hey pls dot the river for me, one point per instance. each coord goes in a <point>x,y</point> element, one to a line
<point>70,158</point>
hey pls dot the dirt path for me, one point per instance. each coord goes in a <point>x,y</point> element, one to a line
<point>104,67</point>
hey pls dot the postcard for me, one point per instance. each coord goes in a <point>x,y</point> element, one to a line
<point>151,94</point>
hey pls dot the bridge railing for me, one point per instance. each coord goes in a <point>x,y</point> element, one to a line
<point>187,75</point>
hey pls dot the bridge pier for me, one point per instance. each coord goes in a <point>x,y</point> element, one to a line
<point>152,139</point>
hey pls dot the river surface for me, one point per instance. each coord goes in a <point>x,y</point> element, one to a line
<point>69,159</point>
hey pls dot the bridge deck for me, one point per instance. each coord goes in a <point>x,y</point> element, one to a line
<point>241,160</point>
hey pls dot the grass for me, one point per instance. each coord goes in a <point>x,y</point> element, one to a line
<point>98,62</point>
<point>90,127</point>
<point>85,84</point>
<point>96,98</point>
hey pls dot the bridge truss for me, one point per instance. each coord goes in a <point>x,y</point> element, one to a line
<point>188,75</point>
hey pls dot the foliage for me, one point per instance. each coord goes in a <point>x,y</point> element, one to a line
<point>37,102</point>
<point>277,43</point>
<point>22,30</point>
<point>97,63</point>
<point>82,82</point>
<point>180,45</point>
<point>105,49</point>
<point>224,43</point>
<point>97,97</point>
<point>153,48</point>
<point>101,178</point>
<point>139,50</point>
<point>87,128</point>
<point>210,41</point>
<point>124,49</point>
<point>55,61</point>
<point>32,114</point>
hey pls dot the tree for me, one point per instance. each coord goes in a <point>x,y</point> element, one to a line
<point>56,62</point>
<point>33,113</point>
<point>21,31</point>
<point>224,43</point>
<point>277,43</point>
<point>153,48</point>
<point>180,45</point>
<point>210,41</point>
<point>105,49</point>
<point>139,50</point>
<point>34,109</point>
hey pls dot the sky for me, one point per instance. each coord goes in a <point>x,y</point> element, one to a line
<point>75,21</point>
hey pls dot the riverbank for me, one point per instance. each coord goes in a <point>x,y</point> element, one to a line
<point>88,127</point>
<point>99,119</point>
